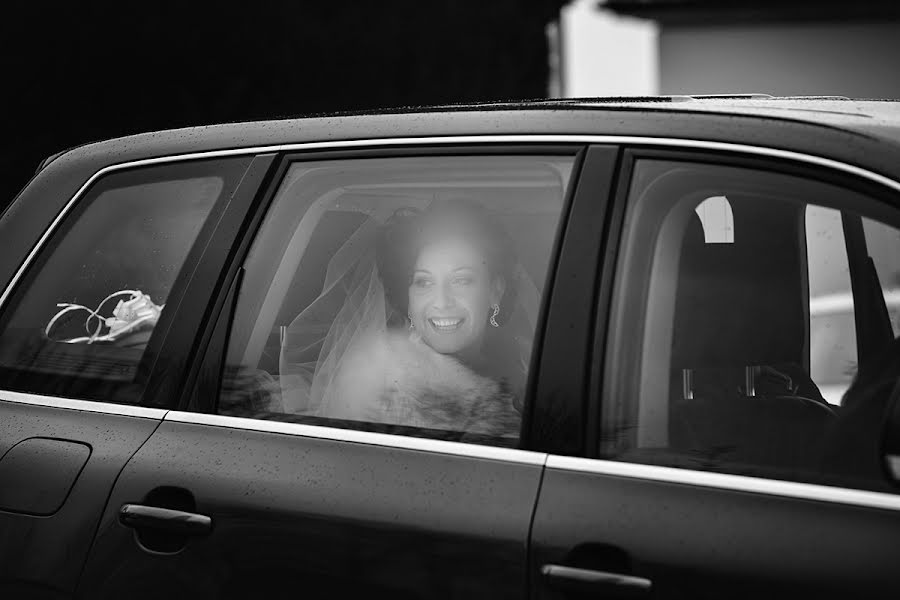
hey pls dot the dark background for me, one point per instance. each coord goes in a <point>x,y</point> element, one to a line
<point>78,72</point>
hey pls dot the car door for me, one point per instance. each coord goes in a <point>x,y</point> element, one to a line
<point>719,461</point>
<point>255,488</point>
<point>76,390</point>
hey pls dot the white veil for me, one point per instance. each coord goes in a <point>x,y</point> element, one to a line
<point>352,307</point>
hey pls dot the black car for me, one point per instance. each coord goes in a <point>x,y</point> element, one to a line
<point>550,349</point>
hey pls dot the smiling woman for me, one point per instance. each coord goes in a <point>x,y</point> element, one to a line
<point>446,364</point>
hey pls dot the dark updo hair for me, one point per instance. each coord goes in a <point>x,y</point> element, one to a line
<point>408,231</point>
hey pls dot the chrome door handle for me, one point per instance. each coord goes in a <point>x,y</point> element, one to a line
<point>139,516</point>
<point>588,580</point>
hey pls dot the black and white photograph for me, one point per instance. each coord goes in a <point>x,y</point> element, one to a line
<point>450,299</point>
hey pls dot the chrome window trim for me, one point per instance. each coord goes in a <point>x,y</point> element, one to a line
<point>510,455</point>
<point>725,481</point>
<point>125,410</point>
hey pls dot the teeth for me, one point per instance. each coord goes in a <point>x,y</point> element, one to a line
<point>445,323</point>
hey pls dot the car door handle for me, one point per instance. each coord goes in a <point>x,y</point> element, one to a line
<point>588,580</point>
<point>139,516</point>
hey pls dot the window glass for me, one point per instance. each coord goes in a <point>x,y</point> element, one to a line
<point>81,319</point>
<point>397,295</point>
<point>883,245</point>
<point>832,325</point>
<point>717,220</point>
<point>741,357</point>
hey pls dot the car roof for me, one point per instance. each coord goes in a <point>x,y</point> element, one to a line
<point>877,117</point>
<point>864,133</point>
<point>880,118</point>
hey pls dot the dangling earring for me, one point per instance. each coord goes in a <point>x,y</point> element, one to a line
<point>493,319</point>
<point>411,326</point>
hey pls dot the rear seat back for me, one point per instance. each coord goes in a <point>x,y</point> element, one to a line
<point>739,342</point>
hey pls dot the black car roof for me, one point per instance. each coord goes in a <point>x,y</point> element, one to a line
<point>864,133</point>
<point>880,118</point>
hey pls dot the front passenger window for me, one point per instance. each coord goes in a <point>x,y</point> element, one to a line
<point>771,355</point>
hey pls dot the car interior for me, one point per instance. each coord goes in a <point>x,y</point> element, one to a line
<point>741,384</point>
<point>724,382</point>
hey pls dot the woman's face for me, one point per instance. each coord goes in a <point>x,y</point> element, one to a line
<point>451,295</point>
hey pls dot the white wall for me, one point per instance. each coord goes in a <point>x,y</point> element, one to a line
<point>607,55</point>
<point>845,59</point>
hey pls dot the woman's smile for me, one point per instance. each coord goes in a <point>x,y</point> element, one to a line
<point>445,324</point>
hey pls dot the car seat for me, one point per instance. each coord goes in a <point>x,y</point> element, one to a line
<point>738,344</point>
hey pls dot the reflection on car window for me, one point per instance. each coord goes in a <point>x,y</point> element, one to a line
<point>80,321</point>
<point>397,295</point>
<point>747,357</point>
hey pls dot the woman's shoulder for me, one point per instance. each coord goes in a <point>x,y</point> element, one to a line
<point>384,351</point>
<point>392,376</point>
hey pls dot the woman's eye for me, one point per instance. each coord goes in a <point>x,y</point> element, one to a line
<point>462,281</point>
<point>421,282</point>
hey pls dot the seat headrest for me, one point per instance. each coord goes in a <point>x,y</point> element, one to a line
<point>740,304</point>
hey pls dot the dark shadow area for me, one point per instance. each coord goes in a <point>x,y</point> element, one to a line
<point>75,73</point>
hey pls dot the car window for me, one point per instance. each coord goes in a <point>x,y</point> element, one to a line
<point>397,295</point>
<point>80,320</point>
<point>736,320</point>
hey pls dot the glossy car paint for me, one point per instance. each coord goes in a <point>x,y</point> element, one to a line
<point>38,474</point>
<point>700,542</point>
<point>44,554</point>
<point>294,515</point>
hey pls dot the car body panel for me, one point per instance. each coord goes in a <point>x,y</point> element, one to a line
<point>321,518</point>
<point>694,541</point>
<point>45,553</point>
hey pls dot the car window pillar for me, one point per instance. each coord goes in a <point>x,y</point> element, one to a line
<point>556,422</point>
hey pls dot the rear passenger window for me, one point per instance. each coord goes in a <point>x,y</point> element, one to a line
<point>79,322</point>
<point>397,295</point>
<point>773,354</point>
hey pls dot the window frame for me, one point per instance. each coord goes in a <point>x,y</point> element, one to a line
<point>200,395</point>
<point>883,205</point>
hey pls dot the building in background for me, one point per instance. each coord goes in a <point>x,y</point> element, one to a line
<point>778,47</point>
<point>606,54</point>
